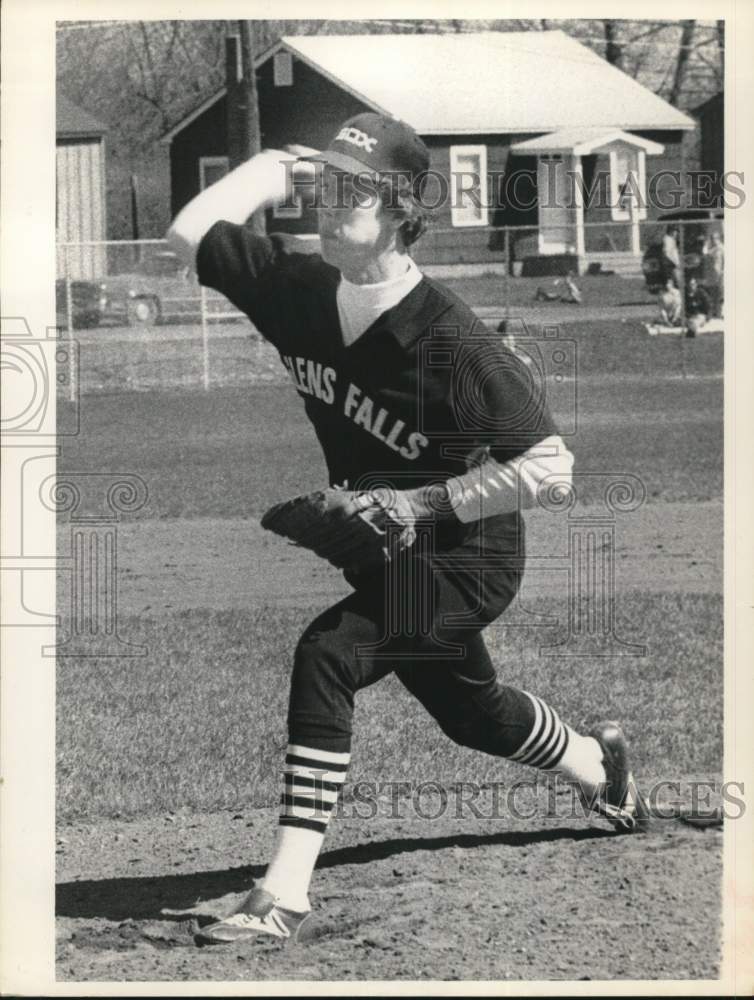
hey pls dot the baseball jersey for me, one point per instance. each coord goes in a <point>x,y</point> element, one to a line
<point>408,403</point>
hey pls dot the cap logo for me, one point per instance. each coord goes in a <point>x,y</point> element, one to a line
<point>357,138</point>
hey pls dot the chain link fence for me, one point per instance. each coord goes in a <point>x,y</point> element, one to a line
<point>141,320</point>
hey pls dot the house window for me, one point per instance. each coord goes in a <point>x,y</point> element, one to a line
<point>624,162</point>
<point>211,169</point>
<point>468,186</point>
<point>282,69</point>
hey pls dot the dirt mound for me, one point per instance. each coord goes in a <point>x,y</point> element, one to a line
<point>407,898</point>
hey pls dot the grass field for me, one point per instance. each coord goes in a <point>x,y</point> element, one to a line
<point>194,731</point>
<point>199,724</point>
<point>170,357</point>
<point>603,289</point>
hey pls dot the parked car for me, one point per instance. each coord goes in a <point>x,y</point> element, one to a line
<point>86,304</point>
<point>161,288</point>
<point>657,268</point>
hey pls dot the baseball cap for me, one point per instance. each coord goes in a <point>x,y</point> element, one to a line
<point>375,144</point>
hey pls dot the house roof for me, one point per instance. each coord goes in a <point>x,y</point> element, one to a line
<point>471,83</point>
<point>530,81</point>
<point>583,141</point>
<point>72,121</point>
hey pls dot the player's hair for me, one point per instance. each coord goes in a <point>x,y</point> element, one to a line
<point>402,197</point>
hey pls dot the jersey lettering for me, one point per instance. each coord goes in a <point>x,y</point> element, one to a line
<point>315,379</point>
<point>311,377</point>
<point>378,422</point>
<point>328,385</point>
<point>394,435</point>
<point>360,409</point>
<point>416,442</point>
<point>364,414</point>
<point>352,398</point>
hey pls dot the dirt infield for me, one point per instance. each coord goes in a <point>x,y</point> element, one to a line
<point>408,899</point>
<point>491,896</point>
<point>223,563</point>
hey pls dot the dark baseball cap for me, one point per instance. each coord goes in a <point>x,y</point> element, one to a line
<point>375,144</point>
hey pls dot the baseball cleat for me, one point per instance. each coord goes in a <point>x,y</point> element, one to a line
<point>257,914</point>
<point>619,800</point>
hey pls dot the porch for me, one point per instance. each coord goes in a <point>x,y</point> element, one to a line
<point>591,195</point>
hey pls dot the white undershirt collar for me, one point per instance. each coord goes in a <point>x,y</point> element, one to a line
<point>360,305</point>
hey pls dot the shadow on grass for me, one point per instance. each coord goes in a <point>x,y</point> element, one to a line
<point>144,898</point>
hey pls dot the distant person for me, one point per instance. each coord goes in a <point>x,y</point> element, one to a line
<point>573,292</point>
<point>697,307</point>
<point>670,254</point>
<point>508,341</point>
<point>561,290</point>
<point>714,271</point>
<point>671,305</point>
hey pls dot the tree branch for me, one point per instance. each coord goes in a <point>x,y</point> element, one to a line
<point>687,36</point>
<point>613,48</point>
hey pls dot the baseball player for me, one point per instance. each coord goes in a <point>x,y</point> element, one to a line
<point>406,393</point>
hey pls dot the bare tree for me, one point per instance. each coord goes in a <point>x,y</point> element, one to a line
<point>613,47</point>
<point>720,29</point>
<point>684,48</point>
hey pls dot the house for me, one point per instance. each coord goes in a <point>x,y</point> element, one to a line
<point>80,189</point>
<point>711,117</point>
<point>584,139</point>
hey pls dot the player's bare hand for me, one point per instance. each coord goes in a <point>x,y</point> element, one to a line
<point>286,169</point>
<point>302,169</point>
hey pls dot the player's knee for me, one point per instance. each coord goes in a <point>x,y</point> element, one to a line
<point>314,656</point>
<point>322,696</point>
<point>320,670</point>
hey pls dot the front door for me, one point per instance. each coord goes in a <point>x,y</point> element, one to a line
<point>556,233</point>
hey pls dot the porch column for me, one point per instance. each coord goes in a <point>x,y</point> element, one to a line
<point>633,204</point>
<point>578,206</point>
<point>635,234</point>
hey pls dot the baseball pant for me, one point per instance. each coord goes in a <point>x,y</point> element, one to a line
<point>421,620</point>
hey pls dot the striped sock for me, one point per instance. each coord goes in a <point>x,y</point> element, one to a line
<point>554,746</point>
<point>312,781</point>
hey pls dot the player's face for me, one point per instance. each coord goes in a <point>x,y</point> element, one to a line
<point>353,227</point>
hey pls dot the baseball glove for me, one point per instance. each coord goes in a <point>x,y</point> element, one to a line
<point>352,530</point>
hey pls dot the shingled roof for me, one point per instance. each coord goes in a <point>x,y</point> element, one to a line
<point>479,82</point>
<point>72,122</point>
